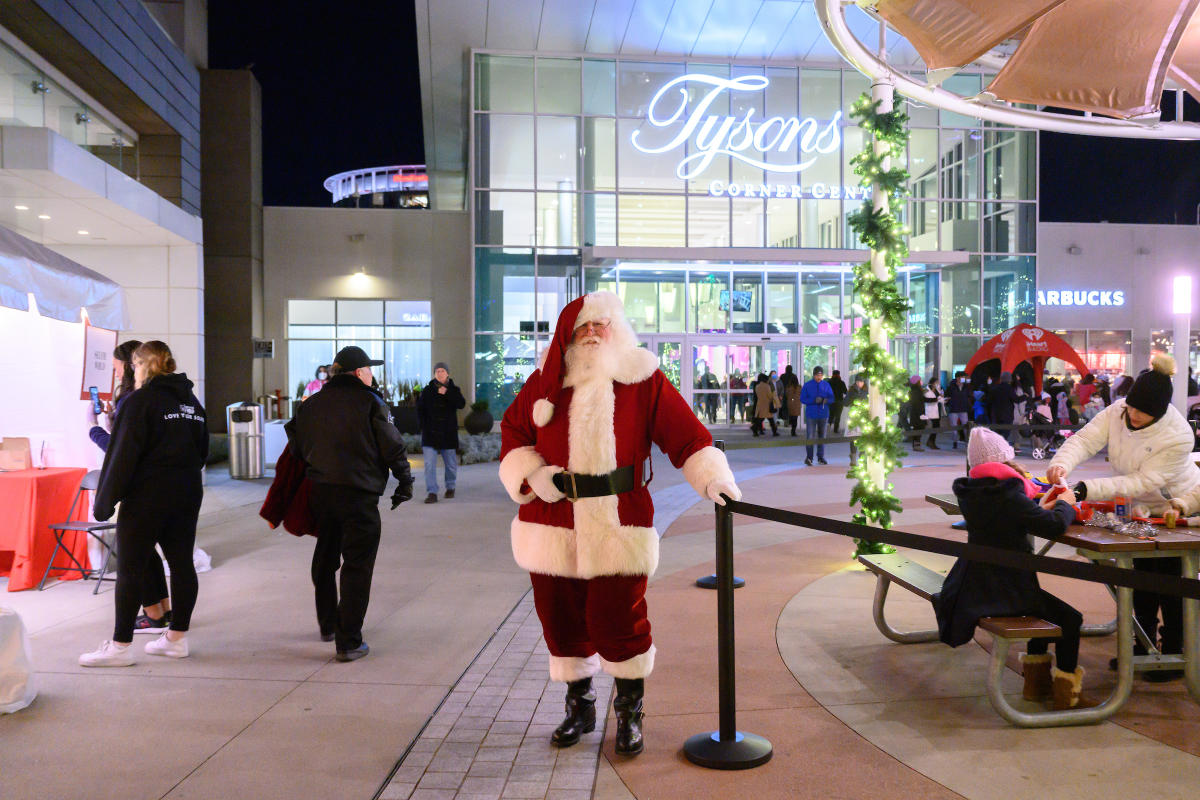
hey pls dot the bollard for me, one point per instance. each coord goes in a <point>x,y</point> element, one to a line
<point>726,748</point>
<point>710,581</point>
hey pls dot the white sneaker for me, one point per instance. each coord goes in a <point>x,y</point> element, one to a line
<point>108,654</point>
<point>162,646</point>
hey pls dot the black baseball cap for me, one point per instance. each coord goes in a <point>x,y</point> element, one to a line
<point>352,358</point>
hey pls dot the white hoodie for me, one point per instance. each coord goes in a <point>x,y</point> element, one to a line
<point>1151,465</point>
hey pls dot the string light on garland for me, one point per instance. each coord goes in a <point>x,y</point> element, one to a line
<point>879,442</point>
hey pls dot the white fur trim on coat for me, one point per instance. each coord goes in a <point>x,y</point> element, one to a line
<point>600,305</point>
<point>518,465</point>
<point>543,412</point>
<point>637,667</point>
<point>573,668</point>
<point>705,466</point>
<point>615,550</point>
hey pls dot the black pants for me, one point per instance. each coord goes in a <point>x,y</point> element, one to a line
<point>934,424</point>
<point>757,425</point>
<point>169,522</point>
<point>154,585</point>
<point>347,535</point>
<point>1146,606</point>
<point>1066,649</point>
<point>835,417</point>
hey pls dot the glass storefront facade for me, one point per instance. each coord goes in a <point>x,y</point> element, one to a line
<point>571,154</point>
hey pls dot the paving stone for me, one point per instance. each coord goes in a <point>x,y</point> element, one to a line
<point>572,780</point>
<point>441,780</point>
<point>471,722</point>
<point>467,735</point>
<point>503,739</point>
<point>508,727</point>
<point>483,785</point>
<point>450,763</point>
<point>520,790</point>
<point>489,769</point>
<point>458,748</point>
<point>407,774</point>
<point>433,794</point>
<point>397,791</point>
<point>505,754</point>
<point>426,744</point>
<point>531,773</point>
<point>569,794</point>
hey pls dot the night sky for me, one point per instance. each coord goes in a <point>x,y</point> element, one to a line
<point>341,91</point>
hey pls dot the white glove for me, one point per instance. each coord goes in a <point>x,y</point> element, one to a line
<point>718,488</point>
<point>542,483</point>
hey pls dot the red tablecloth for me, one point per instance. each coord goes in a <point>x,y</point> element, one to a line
<point>30,501</point>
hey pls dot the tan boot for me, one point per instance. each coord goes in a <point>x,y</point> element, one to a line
<point>1067,686</point>
<point>1036,669</point>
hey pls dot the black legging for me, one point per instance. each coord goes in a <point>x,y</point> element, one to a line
<point>1066,648</point>
<point>154,587</point>
<point>169,522</point>
<point>1146,605</point>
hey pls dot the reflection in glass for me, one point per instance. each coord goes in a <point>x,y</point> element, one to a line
<point>704,293</point>
<point>959,310</point>
<point>504,290</point>
<point>557,285</point>
<point>820,93</point>
<point>556,219</point>
<point>558,86</point>
<point>670,361</point>
<point>557,152</point>
<point>708,221</point>
<point>504,156</point>
<point>781,302</point>
<point>923,291</point>
<point>639,81</point>
<point>745,302</point>
<point>503,83</point>
<point>504,218</point>
<point>821,298</point>
<point>503,362</point>
<point>1008,292</point>
<point>749,222</point>
<point>650,220</point>
<point>599,153</point>
<point>599,86</point>
<point>959,161</point>
<point>599,220</point>
<point>960,226</point>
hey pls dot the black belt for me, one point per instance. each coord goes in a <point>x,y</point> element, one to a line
<point>576,485</point>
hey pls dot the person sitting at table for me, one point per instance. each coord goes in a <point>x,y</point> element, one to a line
<point>156,600</point>
<point>996,502</point>
<point>1149,449</point>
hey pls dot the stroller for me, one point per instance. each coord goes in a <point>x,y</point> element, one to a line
<point>1044,443</point>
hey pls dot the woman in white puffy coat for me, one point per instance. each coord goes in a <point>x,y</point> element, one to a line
<point>1149,448</point>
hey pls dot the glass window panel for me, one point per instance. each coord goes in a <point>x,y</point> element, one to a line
<point>639,170</point>
<point>1078,342</point>
<point>671,312</point>
<point>781,302</point>
<point>311,312</point>
<point>704,294</point>
<point>599,220</point>
<point>1108,353</point>
<point>923,291</point>
<point>639,293</point>
<point>303,359</point>
<point>639,82</point>
<point>964,85</point>
<point>406,363</point>
<point>558,85</point>
<point>923,224</point>
<point>670,361</point>
<point>961,350</point>
<point>745,303</point>
<point>504,151</point>
<point>504,289</point>
<point>821,223</point>
<point>782,94</point>
<point>409,319</point>
<point>749,222</point>
<point>557,285</point>
<point>959,310</point>
<point>65,115</point>
<point>599,279</point>
<point>1008,292</point>
<point>599,154</point>
<point>310,331</point>
<point>960,164</point>
<point>503,362</point>
<point>18,104</point>
<point>708,221</point>
<point>698,91</point>
<point>504,218</point>
<point>783,223</point>
<point>599,87</point>
<point>556,219</point>
<point>960,226</point>
<point>853,85</point>
<point>921,114</point>
<point>359,312</point>
<point>821,302</point>
<point>557,152</point>
<point>923,162</point>
<point>820,93</point>
<point>650,220</point>
<point>503,83</point>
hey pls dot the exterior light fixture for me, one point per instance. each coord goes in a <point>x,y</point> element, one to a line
<point>1074,250</point>
<point>82,232</point>
<point>43,216</point>
<point>21,208</point>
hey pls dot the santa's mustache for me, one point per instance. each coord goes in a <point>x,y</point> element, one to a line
<point>589,340</point>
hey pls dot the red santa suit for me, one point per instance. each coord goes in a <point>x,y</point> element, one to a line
<point>589,559</point>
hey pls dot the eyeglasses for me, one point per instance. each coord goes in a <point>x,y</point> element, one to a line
<point>596,324</point>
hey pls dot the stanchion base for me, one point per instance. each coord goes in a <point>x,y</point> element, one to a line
<point>710,582</point>
<point>745,752</point>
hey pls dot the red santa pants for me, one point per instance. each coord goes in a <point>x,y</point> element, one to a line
<point>583,617</point>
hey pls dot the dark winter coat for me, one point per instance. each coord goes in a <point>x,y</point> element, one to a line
<point>958,398</point>
<point>345,435</point>
<point>1001,403</point>
<point>839,389</point>
<point>439,422</point>
<point>101,437</point>
<point>998,514</point>
<point>158,446</point>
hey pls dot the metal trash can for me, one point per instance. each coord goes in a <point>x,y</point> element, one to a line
<point>246,455</point>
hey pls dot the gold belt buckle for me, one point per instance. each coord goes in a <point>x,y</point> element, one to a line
<point>574,495</point>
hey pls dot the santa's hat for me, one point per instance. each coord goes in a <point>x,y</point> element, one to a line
<point>589,308</point>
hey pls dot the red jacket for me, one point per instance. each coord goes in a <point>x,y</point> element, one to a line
<point>287,499</point>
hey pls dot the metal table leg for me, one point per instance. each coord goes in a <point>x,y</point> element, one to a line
<point>1191,647</point>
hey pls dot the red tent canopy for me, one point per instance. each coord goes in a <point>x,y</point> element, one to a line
<point>1026,343</point>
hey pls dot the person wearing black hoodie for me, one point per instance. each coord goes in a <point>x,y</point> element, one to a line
<point>437,409</point>
<point>152,468</point>
<point>1002,403</point>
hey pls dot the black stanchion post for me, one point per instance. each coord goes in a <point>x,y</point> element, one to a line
<point>726,748</point>
<point>710,581</point>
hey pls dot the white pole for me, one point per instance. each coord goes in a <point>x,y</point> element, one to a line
<point>1181,303</point>
<point>884,93</point>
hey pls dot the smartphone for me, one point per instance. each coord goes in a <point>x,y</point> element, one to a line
<point>97,407</point>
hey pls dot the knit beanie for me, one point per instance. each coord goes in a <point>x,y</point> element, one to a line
<point>987,445</point>
<point>1151,392</point>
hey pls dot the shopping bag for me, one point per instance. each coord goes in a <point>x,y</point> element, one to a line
<point>16,665</point>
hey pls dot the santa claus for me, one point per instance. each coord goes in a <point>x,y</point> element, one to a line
<point>575,455</point>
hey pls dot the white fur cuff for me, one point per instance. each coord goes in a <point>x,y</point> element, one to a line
<point>636,667</point>
<point>518,465</point>
<point>572,668</point>
<point>705,466</point>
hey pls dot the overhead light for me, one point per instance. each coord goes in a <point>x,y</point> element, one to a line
<point>82,232</point>
<point>21,208</point>
<point>43,216</point>
<point>1074,250</point>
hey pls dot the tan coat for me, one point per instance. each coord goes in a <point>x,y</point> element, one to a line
<point>792,396</point>
<point>764,395</point>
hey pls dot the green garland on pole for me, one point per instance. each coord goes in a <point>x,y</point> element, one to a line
<point>881,231</point>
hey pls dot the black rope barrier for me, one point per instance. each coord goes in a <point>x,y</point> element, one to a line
<point>914,433</point>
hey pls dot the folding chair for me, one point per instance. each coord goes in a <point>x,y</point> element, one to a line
<point>94,529</point>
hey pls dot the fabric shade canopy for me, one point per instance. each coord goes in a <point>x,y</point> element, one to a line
<point>1029,343</point>
<point>1108,57</point>
<point>60,286</point>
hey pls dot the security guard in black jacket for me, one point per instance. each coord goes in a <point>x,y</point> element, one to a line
<point>345,435</point>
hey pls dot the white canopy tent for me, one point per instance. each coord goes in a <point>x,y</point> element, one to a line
<point>60,286</point>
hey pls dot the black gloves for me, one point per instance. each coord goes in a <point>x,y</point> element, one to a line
<point>403,492</point>
<point>1080,490</point>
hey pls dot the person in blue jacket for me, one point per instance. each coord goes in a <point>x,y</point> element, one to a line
<point>817,396</point>
<point>156,599</point>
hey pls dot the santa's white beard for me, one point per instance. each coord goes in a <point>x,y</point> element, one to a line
<point>588,362</point>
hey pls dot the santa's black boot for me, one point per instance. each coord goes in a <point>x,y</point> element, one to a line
<point>628,706</point>
<point>581,714</point>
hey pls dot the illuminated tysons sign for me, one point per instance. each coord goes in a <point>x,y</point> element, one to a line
<point>744,138</point>
<point>1080,297</point>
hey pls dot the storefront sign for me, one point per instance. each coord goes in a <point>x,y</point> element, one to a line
<point>750,141</point>
<point>816,191</point>
<point>1080,297</point>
